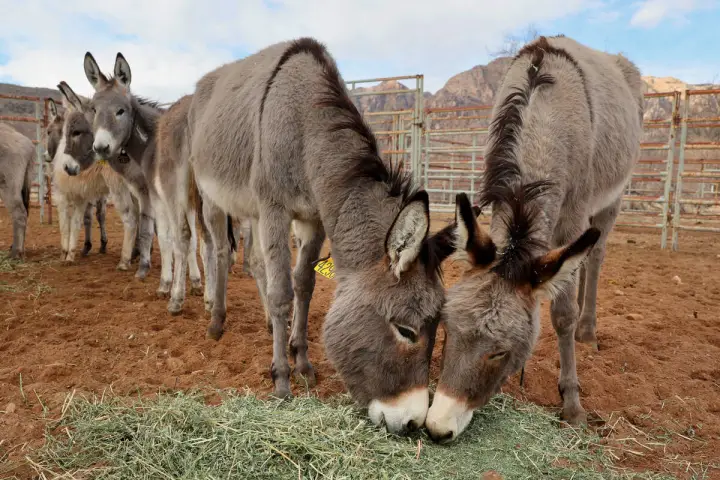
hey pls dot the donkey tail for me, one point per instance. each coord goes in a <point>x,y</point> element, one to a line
<point>27,185</point>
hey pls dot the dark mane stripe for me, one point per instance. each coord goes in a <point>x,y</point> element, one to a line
<point>502,183</point>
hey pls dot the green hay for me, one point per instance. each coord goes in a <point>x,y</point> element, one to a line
<point>178,436</point>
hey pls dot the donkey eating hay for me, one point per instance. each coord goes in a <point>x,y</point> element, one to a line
<point>276,137</point>
<point>564,139</point>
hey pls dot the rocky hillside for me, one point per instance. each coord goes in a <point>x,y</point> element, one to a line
<point>23,108</point>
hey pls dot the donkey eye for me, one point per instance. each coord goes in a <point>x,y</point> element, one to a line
<point>497,355</point>
<point>76,133</point>
<point>406,332</point>
<point>120,112</point>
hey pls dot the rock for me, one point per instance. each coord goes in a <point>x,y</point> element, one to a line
<point>491,475</point>
<point>131,336</point>
<point>619,293</point>
<point>631,240</point>
<point>10,408</point>
<point>634,316</point>
<point>677,280</point>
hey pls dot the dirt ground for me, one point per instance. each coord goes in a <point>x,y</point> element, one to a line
<point>653,388</point>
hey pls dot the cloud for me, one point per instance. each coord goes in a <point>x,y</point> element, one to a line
<point>650,13</point>
<point>170,44</point>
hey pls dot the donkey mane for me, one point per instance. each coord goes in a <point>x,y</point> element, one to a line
<point>503,177</point>
<point>366,162</point>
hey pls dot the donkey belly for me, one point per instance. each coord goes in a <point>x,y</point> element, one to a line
<point>236,200</point>
<point>604,199</point>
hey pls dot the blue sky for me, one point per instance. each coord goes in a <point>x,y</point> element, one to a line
<point>171,43</point>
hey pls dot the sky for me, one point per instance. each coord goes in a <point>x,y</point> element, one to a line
<point>170,44</point>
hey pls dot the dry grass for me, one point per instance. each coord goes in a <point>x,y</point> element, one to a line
<point>180,436</point>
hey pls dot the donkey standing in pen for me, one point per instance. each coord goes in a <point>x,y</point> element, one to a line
<point>69,134</point>
<point>155,140</point>
<point>131,175</point>
<point>16,171</point>
<point>564,140</point>
<point>276,137</point>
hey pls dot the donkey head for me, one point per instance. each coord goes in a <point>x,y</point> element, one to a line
<point>492,319</point>
<point>54,130</point>
<point>380,330</point>
<point>112,107</point>
<point>71,143</point>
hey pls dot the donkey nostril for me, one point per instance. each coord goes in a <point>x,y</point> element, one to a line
<point>412,426</point>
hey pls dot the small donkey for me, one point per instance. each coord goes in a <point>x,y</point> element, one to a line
<point>276,137</point>
<point>564,140</point>
<point>70,139</point>
<point>16,171</point>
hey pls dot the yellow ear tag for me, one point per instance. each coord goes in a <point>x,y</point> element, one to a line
<point>326,268</point>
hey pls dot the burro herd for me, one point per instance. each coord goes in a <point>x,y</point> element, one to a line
<point>272,144</point>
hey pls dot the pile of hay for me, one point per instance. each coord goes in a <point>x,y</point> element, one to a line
<point>178,436</point>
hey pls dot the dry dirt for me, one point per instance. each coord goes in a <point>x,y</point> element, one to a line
<point>653,388</point>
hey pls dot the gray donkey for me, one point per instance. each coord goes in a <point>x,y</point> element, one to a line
<point>16,172</point>
<point>69,133</point>
<point>564,139</point>
<point>154,138</point>
<point>276,137</point>
<point>84,158</point>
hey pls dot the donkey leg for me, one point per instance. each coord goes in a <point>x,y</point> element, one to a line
<point>87,222</point>
<point>101,213</point>
<point>196,287</point>
<point>181,246</point>
<point>273,232</point>
<point>207,253</point>
<point>128,214</point>
<point>19,219</point>
<point>564,314</point>
<point>216,221</point>
<point>146,232</point>
<point>256,263</point>
<point>165,241</point>
<point>310,237</point>
<point>75,223</point>
<point>247,246</point>
<point>604,221</point>
<point>64,221</point>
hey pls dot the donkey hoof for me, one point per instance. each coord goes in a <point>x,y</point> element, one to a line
<point>103,247</point>
<point>175,307</point>
<point>215,331</point>
<point>196,289</point>
<point>574,416</point>
<point>142,272</point>
<point>162,292</point>
<point>585,335</point>
<point>86,249</point>
<point>123,266</point>
<point>305,376</point>
<point>15,255</point>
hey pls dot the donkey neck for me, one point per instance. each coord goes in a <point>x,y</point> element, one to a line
<point>143,130</point>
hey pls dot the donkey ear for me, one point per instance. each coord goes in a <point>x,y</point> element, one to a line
<point>71,100</point>
<point>122,70</point>
<point>405,238</point>
<point>92,71</point>
<point>557,267</point>
<point>53,108</point>
<point>471,241</point>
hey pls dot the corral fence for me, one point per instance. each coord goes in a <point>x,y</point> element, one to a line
<point>675,186</point>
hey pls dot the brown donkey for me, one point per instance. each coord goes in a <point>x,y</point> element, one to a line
<point>276,137</point>
<point>564,139</point>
